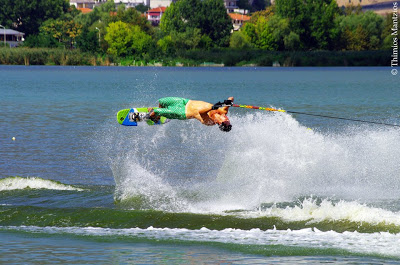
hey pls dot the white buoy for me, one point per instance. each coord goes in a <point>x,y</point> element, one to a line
<point>13,138</point>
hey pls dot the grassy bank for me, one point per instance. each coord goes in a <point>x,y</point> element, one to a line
<point>219,57</point>
<point>309,58</point>
<point>46,56</point>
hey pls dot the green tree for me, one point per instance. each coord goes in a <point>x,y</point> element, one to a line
<point>311,20</point>
<point>140,42</point>
<point>107,7</point>
<point>94,25</point>
<point>267,14</point>
<point>239,41</point>
<point>217,23</point>
<point>132,17</point>
<point>175,18</point>
<point>42,40</point>
<point>142,8</point>
<point>294,10</point>
<point>118,38</point>
<point>322,13</point>
<point>205,42</point>
<point>190,39</point>
<point>100,16</point>
<point>250,33</point>
<point>166,45</point>
<point>261,33</point>
<point>209,16</point>
<point>28,15</point>
<point>88,41</point>
<point>259,5</point>
<point>65,31</point>
<point>72,12</point>
<point>124,39</point>
<point>292,41</point>
<point>361,31</point>
<point>280,32</point>
<point>244,4</point>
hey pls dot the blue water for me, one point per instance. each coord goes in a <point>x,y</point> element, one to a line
<point>285,168</point>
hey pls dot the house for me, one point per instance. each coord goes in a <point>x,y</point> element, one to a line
<point>154,15</point>
<point>238,20</point>
<point>230,5</point>
<point>12,37</point>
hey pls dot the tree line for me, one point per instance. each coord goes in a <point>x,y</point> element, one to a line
<point>314,25</point>
<point>196,25</point>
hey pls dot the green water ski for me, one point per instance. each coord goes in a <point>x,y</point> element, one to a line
<point>136,116</point>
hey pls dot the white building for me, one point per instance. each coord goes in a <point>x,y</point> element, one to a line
<point>151,3</point>
<point>230,5</point>
<point>132,3</point>
<point>13,38</point>
<point>154,15</point>
<point>158,3</point>
<point>86,3</point>
<point>128,3</point>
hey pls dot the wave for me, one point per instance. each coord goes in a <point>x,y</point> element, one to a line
<point>19,183</point>
<point>317,211</point>
<point>338,216</point>
<point>379,244</point>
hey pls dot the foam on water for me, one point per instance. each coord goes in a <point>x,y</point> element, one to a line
<point>19,183</point>
<point>382,244</point>
<point>313,212</point>
<point>265,158</point>
<point>149,189</point>
<point>278,160</point>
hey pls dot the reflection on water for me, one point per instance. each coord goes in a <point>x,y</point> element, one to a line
<point>24,249</point>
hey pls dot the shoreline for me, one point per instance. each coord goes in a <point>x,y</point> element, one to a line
<point>199,58</point>
<point>190,68</point>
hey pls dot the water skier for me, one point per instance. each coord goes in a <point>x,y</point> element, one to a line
<point>182,109</point>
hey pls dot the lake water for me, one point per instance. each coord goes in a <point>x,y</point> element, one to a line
<point>76,187</point>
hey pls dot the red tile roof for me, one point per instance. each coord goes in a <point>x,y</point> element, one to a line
<point>160,9</point>
<point>239,16</point>
<point>84,10</point>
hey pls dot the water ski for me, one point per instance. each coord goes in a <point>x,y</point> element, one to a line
<point>134,116</point>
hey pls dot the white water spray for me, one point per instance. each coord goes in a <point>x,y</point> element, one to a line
<point>265,158</point>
